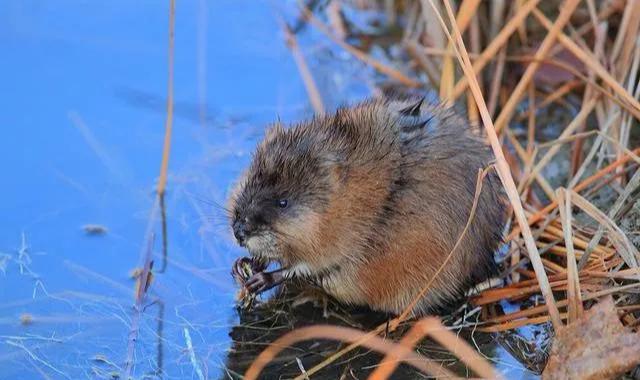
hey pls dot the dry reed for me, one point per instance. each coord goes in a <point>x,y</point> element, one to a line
<point>567,259</point>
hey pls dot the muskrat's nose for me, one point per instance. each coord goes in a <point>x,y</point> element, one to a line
<point>241,230</point>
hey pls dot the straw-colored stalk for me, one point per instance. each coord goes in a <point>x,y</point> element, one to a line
<point>516,95</point>
<point>447,78</point>
<point>433,328</point>
<point>503,168</point>
<point>630,103</point>
<point>579,120</point>
<point>496,44</point>
<point>343,334</point>
<point>613,213</point>
<point>573,292</point>
<point>620,241</point>
<point>168,125</point>
<point>364,57</point>
<point>303,68</point>
<point>539,215</point>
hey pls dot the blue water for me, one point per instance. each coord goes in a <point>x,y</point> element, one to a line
<point>82,122</point>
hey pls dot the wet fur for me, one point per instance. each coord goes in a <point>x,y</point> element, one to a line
<point>380,193</point>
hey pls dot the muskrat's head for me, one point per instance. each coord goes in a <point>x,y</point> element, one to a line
<point>276,209</point>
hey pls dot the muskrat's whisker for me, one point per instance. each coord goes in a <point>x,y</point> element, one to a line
<point>209,202</point>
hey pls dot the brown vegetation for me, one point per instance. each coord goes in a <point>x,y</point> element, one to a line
<point>520,60</point>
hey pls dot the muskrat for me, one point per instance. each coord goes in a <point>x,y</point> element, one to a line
<point>368,203</point>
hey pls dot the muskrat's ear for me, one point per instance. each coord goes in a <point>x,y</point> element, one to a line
<point>407,108</point>
<point>412,109</point>
<point>413,115</point>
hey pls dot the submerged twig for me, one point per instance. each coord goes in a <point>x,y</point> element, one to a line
<point>192,354</point>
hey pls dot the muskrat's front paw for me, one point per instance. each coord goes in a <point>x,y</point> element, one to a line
<point>260,282</point>
<point>245,267</point>
<point>241,267</point>
<point>243,270</point>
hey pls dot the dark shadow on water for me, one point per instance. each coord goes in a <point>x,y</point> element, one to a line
<point>284,312</point>
<point>188,111</point>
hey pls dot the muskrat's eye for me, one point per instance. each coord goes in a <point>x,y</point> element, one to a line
<point>282,203</point>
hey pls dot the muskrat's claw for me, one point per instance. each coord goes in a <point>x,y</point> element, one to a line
<point>244,267</point>
<point>239,268</point>
<point>249,274</point>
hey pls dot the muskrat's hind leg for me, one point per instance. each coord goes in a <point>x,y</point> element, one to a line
<point>316,296</point>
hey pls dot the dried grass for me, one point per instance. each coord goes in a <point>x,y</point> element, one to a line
<point>567,245</point>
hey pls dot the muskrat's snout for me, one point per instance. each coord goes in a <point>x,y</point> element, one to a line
<point>254,233</point>
<point>242,230</point>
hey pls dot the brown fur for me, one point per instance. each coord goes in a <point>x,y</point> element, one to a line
<point>378,195</point>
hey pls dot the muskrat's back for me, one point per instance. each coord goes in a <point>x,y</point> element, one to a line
<point>397,180</point>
